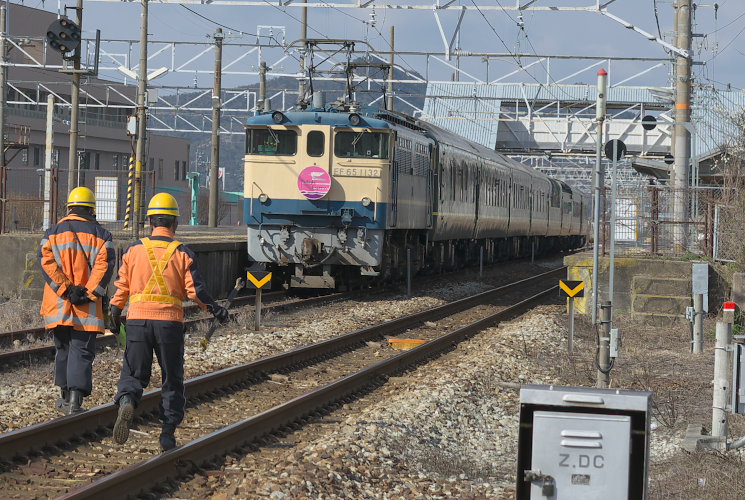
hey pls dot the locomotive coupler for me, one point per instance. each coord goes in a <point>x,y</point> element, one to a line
<point>284,237</point>
<point>361,239</point>
<point>311,249</point>
<point>346,216</point>
<point>342,235</point>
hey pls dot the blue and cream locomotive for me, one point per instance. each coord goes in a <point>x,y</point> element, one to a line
<point>332,196</point>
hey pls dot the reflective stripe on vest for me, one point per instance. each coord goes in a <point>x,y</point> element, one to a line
<point>157,266</point>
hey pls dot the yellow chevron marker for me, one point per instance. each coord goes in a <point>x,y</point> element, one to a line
<point>572,288</point>
<point>259,278</point>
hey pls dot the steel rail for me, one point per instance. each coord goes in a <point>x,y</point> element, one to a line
<point>7,338</point>
<point>48,434</point>
<point>133,480</point>
<point>11,357</point>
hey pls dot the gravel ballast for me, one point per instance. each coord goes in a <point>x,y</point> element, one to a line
<point>27,394</point>
<point>445,430</point>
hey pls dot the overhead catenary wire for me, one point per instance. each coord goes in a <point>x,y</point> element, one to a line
<point>241,32</point>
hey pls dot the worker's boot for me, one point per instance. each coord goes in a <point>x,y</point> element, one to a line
<point>76,402</point>
<point>124,419</point>
<point>167,438</point>
<point>63,402</point>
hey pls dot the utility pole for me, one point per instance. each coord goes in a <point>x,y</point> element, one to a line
<point>72,157</point>
<point>215,160</point>
<point>303,38</point>
<point>3,81</point>
<point>389,105</point>
<point>682,137</point>
<point>141,119</point>
<point>49,147</point>
<point>261,105</point>
<point>598,187</point>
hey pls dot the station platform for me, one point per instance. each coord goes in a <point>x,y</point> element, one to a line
<point>647,287</point>
<point>221,256</point>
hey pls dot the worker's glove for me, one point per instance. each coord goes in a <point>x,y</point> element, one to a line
<point>220,313</point>
<point>116,319</point>
<point>78,295</point>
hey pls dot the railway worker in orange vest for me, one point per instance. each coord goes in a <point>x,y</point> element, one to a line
<point>157,274</point>
<point>77,261</point>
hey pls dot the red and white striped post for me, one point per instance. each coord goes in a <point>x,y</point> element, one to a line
<point>722,373</point>
<point>728,312</point>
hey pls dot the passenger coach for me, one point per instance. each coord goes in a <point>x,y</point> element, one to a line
<point>333,196</point>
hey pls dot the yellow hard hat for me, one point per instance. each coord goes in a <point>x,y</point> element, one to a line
<point>81,197</point>
<point>163,204</point>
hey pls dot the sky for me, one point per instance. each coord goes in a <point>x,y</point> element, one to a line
<point>543,32</point>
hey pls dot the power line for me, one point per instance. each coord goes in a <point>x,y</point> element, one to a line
<point>519,64</point>
<point>727,46</point>
<point>216,23</point>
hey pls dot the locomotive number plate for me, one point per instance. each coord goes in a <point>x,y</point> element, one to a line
<point>356,172</point>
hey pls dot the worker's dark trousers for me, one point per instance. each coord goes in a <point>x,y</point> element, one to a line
<point>166,338</point>
<point>73,361</point>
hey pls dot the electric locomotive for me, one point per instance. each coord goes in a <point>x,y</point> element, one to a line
<point>332,196</point>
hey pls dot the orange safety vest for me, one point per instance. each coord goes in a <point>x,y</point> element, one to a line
<point>75,251</point>
<point>156,275</point>
<point>157,267</point>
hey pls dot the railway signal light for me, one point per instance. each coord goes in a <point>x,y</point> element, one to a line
<point>649,122</point>
<point>64,36</point>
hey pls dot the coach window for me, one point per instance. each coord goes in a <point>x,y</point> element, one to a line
<point>271,142</point>
<point>316,143</point>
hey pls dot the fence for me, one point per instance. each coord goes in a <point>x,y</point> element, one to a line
<point>22,197</point>
<point>646,222</point>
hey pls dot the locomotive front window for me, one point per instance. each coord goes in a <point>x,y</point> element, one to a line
<point>267,141</point>
<point>361,145</point>
<point>316,140</point>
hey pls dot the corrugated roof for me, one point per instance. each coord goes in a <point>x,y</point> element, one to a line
<point>472,110</point>
<point>536,92</point>
<point>476,119</point>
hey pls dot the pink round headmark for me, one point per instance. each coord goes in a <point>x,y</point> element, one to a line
<point>314,182</point>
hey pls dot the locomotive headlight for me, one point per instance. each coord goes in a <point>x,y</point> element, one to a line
<point>366,201</point>
<point>278,117</point>
<point>263,197</point>
<point>354,119</point>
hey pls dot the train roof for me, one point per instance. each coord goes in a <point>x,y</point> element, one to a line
<point>317,118</point>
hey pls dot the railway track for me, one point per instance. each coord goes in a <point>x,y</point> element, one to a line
<point>8,358</point>
<point>76,450</point>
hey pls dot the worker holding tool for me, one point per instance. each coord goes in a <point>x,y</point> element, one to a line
<point>77,261</point>
<point>156,275</point>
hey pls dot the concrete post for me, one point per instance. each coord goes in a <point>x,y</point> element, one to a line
<point>3,82</point>
<point>721,380</point>
<point>262,87</point>
<point>72,157</point>
<point>214,200</point>
<point>604,363</point>
<point>303,37</point>
<point>391,72</point>
<point>598,184</point>
<point>141,119</point>
<point>47,221</point>
<point>681,134</point>
<point>698,324</point>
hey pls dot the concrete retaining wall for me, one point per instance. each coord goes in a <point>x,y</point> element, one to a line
<point>645,287</point>
<point>220,263</point>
